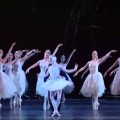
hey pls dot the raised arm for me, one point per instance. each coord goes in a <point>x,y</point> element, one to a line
<point>32,66</point>
<point>55,51</point>
<point>68,60</point>
<point>81,69</point>
<point>9,51</point>
<point>29,54</point>
<point>24,51</point>
<point>107,56</point>
<point>114,65</point>
<point>70,70</point>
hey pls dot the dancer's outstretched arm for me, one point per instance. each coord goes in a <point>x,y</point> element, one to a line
<point>106,56</point>
<point>71,70</point>
<point>32,66</point>
<point>81,69</point>
<point>55,51</point>
<point>30,54</point>
<point>9,51</point>
<point>114,65</point>
<point>68,60</point>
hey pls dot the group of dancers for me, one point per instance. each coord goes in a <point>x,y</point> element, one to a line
<point>53,81</point>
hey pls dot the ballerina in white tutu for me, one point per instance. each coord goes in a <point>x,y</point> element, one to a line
<point>43,64</point>
<point>7,88</point>
<point>56,83</point>
<point>64,63</point>
<point>94,84</point>
<point>20,80</point>
<point>115,86</point>
<point>8,70</point>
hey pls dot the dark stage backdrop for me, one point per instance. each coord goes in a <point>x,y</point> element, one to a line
<point>82,24</point>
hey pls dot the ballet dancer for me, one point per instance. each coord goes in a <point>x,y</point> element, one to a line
<point>8,66</point>
<point>64,63</point>
<point>56,83</point>
<point>115,86</point>
<point>93,85</point>
<point>43,65</point>
<point>20,77</point>
<point>7,88</point>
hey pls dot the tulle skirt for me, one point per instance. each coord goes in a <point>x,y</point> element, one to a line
<point>20,82</point>
<point>39,89</point>
<point>93,84</point>
<point>56,84</point>
<point>115,86</point>
<point>69,89</point>
<point>7,88</point>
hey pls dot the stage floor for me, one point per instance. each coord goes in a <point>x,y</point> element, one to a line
<point>72,109</point>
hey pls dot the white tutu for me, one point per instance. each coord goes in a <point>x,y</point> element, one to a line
<point>93,84</point>
<point>69,89</point>
<point>115,86</point>
<point>39,90</point>
<point>8,70</point>
<point>20,82</point>
<point>7,88</point>
<point>56,84</point>
<point>43,64</point>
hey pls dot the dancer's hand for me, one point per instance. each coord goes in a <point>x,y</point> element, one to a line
<point>27,71</point>
<point>113,51</point>
<point>112,73</point>
<point>37,51</point>
<point>26,50</point>
<point>75,75</point>
<point>105,74</point>
<point>76,66</point>
<point>60,45</point>
<point>14,44</point>
<point>74,50</point>
<point>82,76</point>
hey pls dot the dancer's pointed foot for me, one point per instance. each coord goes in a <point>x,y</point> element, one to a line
<point>95,105</point>
<point>20,100</point>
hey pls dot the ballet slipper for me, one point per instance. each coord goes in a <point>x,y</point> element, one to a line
<point>58,114</point>
<point>20,100</point>
<point>14,102</point>
<point>95,105</point>
<point>44,106</point>
<point>54,113</point>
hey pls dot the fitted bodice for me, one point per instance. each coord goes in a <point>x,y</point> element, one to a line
<point>54,71</point>
<point>18,65</point>
<point>43,67</point>
<point>93,67</point>
<point>8,68</point>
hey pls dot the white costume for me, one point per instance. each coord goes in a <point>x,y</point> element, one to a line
<point>93,83</point>
<point>7,88</point>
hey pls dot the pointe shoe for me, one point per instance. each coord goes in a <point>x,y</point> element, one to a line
<point>44,106</point>
<point>11,104</point>
<point>20,100</point>
<point>0,106</point>
<point>14,102</point>
<point>54,113</point>
<point>58,114</point>
<point>95,105</point>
